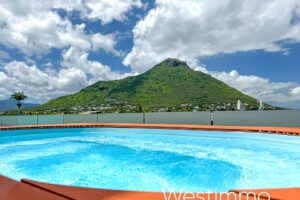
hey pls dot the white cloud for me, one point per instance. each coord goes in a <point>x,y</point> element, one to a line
<point>190,29</point>
<point>186,30</point>
<point>260,88</point>
<point>3,78</point>
<point>48,64</point>
<point>76,58</point>
<point>107,11</point>
<point>34,26</point>
<point>105,42</point>
<point>21,77</point>
<point>75,73</point>
<point>295,91</point>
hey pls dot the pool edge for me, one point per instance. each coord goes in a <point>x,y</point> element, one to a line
<point>33,190</point>
<point>252,129</point>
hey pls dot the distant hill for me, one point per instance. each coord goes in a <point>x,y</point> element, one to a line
<point>10,104</point>
<point>168,84</point>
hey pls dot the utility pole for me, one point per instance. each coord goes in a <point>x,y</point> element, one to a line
<point>141,109</point>
<point>211,118</point>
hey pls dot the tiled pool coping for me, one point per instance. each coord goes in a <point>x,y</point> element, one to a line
<point>269,130</point>
<point>32,190</point>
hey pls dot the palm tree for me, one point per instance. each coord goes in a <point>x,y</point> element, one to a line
<point>18,96</point>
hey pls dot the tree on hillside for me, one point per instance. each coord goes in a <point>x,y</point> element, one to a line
<point>18,96</point>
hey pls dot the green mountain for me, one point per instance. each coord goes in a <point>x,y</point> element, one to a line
<point>168,84</point>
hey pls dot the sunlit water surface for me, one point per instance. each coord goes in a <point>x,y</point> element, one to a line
<point>151,159</point>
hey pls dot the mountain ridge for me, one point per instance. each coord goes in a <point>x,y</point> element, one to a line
<point>170,83</point>
<point>11,104</point>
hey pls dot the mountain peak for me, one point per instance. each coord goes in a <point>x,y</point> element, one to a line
<point>172,62</point>
<point>169,84</point>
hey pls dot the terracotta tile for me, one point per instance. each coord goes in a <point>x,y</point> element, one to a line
<point>13,190</point>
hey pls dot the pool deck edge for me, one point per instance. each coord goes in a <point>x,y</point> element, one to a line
<point>84,193</point>
<point>268,130</point>
<point>33,190</point>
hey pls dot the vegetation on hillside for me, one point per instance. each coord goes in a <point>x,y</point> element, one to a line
<point>168,85</point>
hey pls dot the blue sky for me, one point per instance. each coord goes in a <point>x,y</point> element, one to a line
<point>54,48</point>
<point>273,65</point>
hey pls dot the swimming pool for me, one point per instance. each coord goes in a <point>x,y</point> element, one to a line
<point>151,159</point>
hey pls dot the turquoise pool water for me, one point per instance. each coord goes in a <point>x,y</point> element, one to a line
<point>151,159</point>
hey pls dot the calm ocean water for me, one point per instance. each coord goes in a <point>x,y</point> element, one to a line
<point>280,118</point>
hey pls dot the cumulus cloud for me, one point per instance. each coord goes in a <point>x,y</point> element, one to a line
<point>186,30</point>
<point>34,26</point>
<point>105,42</point>
<point>107,11</point>
<point>260,88</point>
<point>295,91</point>
<point>48,64</point>
<point>75,73</point>
<point>78,59</point>
<point>192,28</point>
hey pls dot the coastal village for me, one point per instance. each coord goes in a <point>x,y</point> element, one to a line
<point>125,107</point>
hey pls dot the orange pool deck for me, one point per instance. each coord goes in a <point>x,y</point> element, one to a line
<point>33,190</point>
<point>269,130</point>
